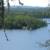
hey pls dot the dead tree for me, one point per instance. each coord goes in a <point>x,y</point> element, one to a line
<point>20,3</point>
<point>2,16</point>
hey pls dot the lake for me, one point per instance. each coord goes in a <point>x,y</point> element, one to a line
<point>24,39</point>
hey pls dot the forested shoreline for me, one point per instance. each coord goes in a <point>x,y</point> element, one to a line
<point>22,18</point>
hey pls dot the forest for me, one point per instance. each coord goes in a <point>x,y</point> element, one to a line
<point>25,17</point>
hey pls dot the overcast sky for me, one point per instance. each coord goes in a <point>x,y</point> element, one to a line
<point>41,3</point>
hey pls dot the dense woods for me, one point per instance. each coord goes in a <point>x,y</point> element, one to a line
<point>25,17</point>
<point>21,21</point>
<point>38,12</point>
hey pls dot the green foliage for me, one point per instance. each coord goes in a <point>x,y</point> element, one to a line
<point>26,18</point>
<point>38,12</point>
<point>20,21</point>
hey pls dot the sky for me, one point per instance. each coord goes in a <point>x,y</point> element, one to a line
<point>41,3</point>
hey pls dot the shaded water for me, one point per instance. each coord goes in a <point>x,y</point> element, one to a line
<point>24,39</point>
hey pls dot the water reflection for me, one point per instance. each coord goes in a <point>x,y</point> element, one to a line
<point>24,39</point>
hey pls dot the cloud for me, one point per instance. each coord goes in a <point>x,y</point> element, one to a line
<point>42,3</point>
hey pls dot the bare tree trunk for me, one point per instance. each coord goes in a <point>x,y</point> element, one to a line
<point>6,35</point>
<point>3,20</point>
<point>8,5</point>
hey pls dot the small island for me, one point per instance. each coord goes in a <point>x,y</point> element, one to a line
<point>22,22</point>
<point>24,18</point>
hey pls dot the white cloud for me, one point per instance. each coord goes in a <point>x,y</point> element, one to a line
<point>41,3</point>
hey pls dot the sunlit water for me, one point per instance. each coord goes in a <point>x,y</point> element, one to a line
<point>24,39</point>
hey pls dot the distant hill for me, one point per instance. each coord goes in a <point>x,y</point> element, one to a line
<point>34,11</point>
<point>27,8</point>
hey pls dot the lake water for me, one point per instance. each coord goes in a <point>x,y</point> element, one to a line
<point>24,39</point>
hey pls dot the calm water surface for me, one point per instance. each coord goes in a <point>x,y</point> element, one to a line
<point>24,39</point>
